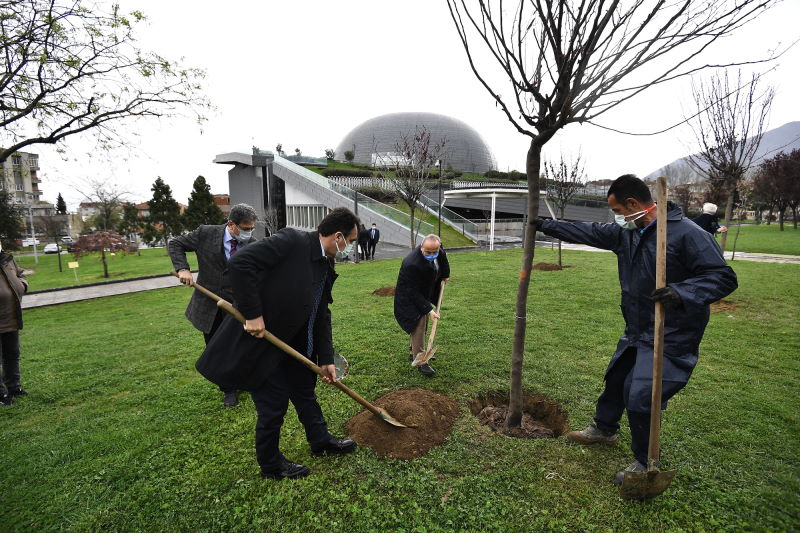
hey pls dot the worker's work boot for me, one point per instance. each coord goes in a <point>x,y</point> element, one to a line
<point>592,435</point>
<point>635,467</point>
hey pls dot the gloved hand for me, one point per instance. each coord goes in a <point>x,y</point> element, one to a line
<point>536,223</point>
<point>668,297</point>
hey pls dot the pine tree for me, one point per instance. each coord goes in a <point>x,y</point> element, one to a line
<point>202,209</point>
<point>165,214</point>
<point>61,205</point>
<point>11,225</point>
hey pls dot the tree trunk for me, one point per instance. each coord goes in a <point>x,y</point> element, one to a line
<point>728,212</point>
<point>105,265</point>
<point>532,164</point>
<point>411,226</point>
<point>769,216</point>
<point>780,216</point>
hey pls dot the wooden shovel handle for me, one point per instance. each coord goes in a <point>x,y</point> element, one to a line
<point>436,320</point>
<point>228,307</point>
<point>653,449</point>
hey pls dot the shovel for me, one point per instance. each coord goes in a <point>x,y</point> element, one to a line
<point>424,356</point>
<point>645,485</point>
<point>374,409</point>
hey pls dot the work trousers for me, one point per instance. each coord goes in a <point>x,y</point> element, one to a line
<point>207,336</point>
<point>290,381</point>
<point>418,335</point>
<point>9,357</point>
<point>614,400</point>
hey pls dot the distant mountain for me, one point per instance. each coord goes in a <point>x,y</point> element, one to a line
<point>785,138</point>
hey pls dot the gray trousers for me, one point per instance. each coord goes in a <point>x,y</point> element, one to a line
<point>418,335</point>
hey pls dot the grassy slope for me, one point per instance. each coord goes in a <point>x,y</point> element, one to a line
<point>123,435</point>
<point>47,276</point>
<point>768,239</point>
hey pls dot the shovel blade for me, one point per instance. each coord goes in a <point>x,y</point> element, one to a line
<point>423,357</point>
<point>645,485</point>
<point>386,417</point>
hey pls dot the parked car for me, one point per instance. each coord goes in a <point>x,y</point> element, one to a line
<point>29,242</point>
<point>51,248</point>
<point>66,240</point>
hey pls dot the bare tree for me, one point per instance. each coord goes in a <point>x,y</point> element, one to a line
<point>562,182</point>
<point>72,66</point>
<point>415,155</point>
<point>271,221</point>
<point>107,199</point>
<point>568,63</point>
<point>729,125</point>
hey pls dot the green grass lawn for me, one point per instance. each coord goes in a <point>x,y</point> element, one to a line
<point>90,270</point>
<point>451,237</point>
<point>121,433</point>
<point>767,239</point>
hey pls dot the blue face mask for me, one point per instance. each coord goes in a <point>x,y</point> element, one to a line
<point>431,257</point>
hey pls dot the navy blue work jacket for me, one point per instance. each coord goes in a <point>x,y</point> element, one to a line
<point>695,269</point>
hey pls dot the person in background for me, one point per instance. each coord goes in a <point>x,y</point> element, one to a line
<point>214,246</point>
<point>374,237</point>
<point>363,242</point>
<point>12,287</point>
<point>708,220</point>
<point>418,284</point>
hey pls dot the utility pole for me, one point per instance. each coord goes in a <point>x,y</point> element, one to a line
<point>33,231</point>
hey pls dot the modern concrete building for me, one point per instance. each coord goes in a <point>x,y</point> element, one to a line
<point>465,149</point>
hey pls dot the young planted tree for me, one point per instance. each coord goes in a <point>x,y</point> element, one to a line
<point>202,209</point>
<point>414,157</point>
<point>53,227</point>
<point>72,67</point>
<point>61,205</point>
<point>104,242</point>
<point>107,198</point>
<point>563,181</point>
<point>729,124</point>
<point>165,214</point>
<point>12,227</point>
<point>566,61</point>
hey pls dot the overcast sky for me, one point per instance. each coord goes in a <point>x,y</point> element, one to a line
<point>306,72</point>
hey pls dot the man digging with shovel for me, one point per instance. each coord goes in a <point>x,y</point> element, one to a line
<point>419,283</point>
<point>696,276</point>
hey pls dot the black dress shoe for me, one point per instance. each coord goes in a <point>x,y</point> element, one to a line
<point>230,399</point>
<point>18,392</point>
<point>335,446</point>
<point>5,399</point>
<point>426,370</point>
<point>287,470</point>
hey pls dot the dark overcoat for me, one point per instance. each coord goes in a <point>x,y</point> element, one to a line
<point>418,284</point>
<point>208,243</point>
<point>695,269</point>
<point>276,278</point>
<point>18,286</point>
<point>708,222</point>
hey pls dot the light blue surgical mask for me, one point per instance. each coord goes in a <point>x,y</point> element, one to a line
<point>431,257</point>
<point>244,236</point>
<point>348,249</point>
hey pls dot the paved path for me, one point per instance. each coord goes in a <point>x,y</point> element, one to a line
<point>384,251</point>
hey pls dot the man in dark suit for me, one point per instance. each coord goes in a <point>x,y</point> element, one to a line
<point>374,237</point>
<point>283,283</point>
<point>214,246</point>
<point>363,242</point>
<point>418,284</point>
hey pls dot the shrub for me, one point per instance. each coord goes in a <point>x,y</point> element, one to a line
<point>379,194</point>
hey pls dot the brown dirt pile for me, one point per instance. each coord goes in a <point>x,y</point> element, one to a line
<point>384,291</point>
<point>546,267</point>
<point>430,412</point>
<point>722,306</point>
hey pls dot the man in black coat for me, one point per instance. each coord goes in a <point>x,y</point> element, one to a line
<point>374,237</point>
<point>418,284</point>
<point>214,245</point>
<point>697,275</point>
<point>283,283</point>
<point>363,242</point>
<point>708,220</point>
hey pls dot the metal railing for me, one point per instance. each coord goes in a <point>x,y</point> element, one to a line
<point>451,218</point>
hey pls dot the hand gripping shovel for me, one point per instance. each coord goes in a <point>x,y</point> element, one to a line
<point>424,356</point>
<point>645,485</point>
<point>374,409</point>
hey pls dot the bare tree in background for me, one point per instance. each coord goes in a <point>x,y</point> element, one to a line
<point>729,125</point>
<point>53,227</point>
<point>271,221</point>
<point>562,182</point>
<point>680,178</point>
<point>416,154</point>
<point>107,198</point>
<point>566,61</point>
<point>73,67</point>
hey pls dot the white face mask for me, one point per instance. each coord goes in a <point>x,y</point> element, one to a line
<point>244,236</point>
<point>341,254</point>
<point>630,224</point>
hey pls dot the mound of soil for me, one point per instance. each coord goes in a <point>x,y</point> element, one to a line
<point>541,417</point>
<point>722,306</point>
<point>430,412</point>
<point>384,291</point>
<point>546,267</point>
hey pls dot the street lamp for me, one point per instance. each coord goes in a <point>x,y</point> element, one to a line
<point>33,231</point>
<point>441,170</point>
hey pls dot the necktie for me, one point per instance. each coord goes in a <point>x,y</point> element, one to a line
<point>233,247</point>
<point>313,317</point>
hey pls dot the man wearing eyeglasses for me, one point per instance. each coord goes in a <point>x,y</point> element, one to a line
<point>214,246</point>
